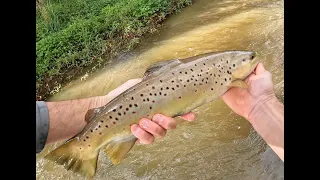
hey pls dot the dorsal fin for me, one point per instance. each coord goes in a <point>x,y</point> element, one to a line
<point>159,67</point>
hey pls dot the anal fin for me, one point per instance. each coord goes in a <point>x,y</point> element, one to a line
<point>116,150</point>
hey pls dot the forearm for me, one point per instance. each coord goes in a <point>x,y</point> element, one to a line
<point>67,118</point>
<point>268,120</point>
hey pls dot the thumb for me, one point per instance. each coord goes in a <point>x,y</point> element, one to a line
<point>260,69</point>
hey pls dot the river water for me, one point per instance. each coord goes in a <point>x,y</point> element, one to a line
<point>218,144</point>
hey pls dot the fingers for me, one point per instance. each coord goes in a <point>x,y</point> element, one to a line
<point>143,136</point>
<point>164,121</point>
<point>112,94</point>
<point>189,116</point>
<point>152,127</point>
<point>147,129</point>
<point>259,69</point>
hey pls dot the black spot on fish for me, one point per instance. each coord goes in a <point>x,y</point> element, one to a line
<point>187,80</point>
<point>160,93</point>
<point>234,65</point>
<point>172,88</point>
<point>147,84</point>
<point>135,105</point>
<point>191,69</point>
<point>186,72</point>
<point>116,119</point>
<point>120,107</point>
<point>147,99</point>
<point>150,94</point>
<point>107,126</point>
<point>130,105</point>
<point>177,85</point>
<point>110,117</point>
<point>132,98</point>
<point>225,79</point>
<point>155,94</point>
<point>211,89</point>
<point>172,81</point>
<point>153,87</point>
<point>221,84</point>
<point>144,100</point>
<point>216,82</point>
<point>150,107</point>
<point>167,88</point>
<point>128,108</point>
<point>204,64</point>
<point>161,89</point>
<point>161,81</point>
<point>114,110</point>
<point>141,95</point>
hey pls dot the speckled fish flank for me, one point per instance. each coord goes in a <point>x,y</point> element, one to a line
<point>172,88</point>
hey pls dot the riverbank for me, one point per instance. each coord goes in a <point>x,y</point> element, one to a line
<point>73,35</point>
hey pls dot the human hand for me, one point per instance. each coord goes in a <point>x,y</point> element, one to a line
<point>147,129</point>
<point>260,89</point>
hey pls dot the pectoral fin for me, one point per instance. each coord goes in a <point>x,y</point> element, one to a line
<point>238,83</point>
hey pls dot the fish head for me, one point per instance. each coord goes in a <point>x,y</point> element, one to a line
<point>243,64</point>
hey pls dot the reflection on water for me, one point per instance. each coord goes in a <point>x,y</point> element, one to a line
<point>219,144</point>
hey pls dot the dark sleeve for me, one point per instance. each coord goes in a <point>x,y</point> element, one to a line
<point>42,125</point>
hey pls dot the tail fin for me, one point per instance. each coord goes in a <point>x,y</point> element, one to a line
<point>83,162</point>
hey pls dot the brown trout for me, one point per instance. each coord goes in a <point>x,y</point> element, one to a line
<point>172,88</point>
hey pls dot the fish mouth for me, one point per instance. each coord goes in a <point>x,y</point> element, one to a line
<point>255,61</point>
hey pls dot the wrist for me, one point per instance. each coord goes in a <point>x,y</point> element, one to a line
<point>262,102</point>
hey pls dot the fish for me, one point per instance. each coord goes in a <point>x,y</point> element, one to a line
<point>172,88</point>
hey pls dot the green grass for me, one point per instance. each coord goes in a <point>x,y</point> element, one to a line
<point>74,34</point>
